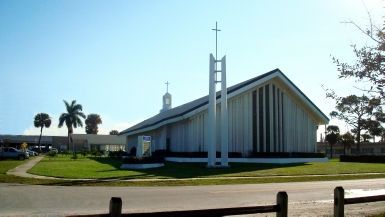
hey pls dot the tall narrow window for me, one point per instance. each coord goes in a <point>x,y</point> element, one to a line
<point>274,121</point>
<point>267,106</point>
<point>260,119</point>
<point>254,107</point>
<point>279,105</point>
<point>283,123</point>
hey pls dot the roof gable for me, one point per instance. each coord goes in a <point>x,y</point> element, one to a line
<point>183,111</point>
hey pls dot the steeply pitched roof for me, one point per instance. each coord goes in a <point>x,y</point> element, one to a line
<point>184,109</point>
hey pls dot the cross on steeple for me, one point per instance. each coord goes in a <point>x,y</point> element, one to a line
<point>167,83</point>
<point>216,39</point>
<point>216,50</point>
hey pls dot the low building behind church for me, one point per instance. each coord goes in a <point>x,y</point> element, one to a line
<point>82,142</point>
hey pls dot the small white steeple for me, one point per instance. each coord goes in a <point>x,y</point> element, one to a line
<point>166,99</point>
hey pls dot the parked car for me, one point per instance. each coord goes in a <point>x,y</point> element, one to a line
<point>54,150</point>
<point>37,150</point>
<point>40,150</point>
<point>9,152</point>
<point>32,153</point>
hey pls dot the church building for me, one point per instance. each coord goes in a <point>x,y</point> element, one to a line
<point>268,113</point>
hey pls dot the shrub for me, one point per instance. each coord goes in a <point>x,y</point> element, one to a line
<point>119,153</point>
<point>363,158</point>
<point>165,153</point>
<point>65,153</point>
<point>132,151</point>
<point>52,153</point>
<point>84,153</point>
<point>287,155</point>
<point>160,153</point>
<point>193,154</point>
<point>97,153</point>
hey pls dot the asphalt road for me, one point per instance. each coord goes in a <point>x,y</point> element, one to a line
<point>33,200</point>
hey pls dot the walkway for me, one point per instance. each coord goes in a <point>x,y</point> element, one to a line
<point>22,169</point>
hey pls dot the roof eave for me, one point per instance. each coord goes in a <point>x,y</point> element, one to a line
<point>322,118</point>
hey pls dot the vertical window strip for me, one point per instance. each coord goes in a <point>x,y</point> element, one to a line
<point>260,117</point>
<point>271,118</point>
<point>283,124</point>
<point>267,117</point>
<point>278,121</point>
<point>254,117</point>
<point>274,122</point>
<point>257,120</point>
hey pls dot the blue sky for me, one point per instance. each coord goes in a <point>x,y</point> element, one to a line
<point>114,57</point>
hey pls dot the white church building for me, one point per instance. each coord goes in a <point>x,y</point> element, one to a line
<point>268,113</point>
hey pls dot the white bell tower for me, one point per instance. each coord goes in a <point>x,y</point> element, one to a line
<point>167,100</point>
<point>212,126</point>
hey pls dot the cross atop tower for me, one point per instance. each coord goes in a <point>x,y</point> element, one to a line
<point>167,83</point>
<point>216,39</point>
<point>166,99</point>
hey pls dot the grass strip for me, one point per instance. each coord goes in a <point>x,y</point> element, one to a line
<point>103,170</point>
<point>107,168</point>
<point>185,182</point>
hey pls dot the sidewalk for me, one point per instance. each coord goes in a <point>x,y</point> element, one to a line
<point>22,169</point>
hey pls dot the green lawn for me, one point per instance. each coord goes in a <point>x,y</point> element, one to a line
<point>102,168</point>
<point>6,165</point>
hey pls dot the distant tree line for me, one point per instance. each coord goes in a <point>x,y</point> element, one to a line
<point>72,118</point>
<point>364,113</point>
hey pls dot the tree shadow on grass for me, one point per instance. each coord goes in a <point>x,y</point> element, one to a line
<point>114,162</point>
<point>195,170</point>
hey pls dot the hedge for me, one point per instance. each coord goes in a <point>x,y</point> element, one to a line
<point>165,153</point>
<point>287,155</point>
<point>363,158</point>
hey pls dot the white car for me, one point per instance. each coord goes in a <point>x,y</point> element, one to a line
<point>32,153</point>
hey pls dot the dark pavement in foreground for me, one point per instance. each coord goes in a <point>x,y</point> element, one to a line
<point>34,200</point>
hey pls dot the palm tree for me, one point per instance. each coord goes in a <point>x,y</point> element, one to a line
<point>92,122</point>
<point>333,136</point>
<point>347,140</point>
<point>42,120</point>
<point>72,118</point>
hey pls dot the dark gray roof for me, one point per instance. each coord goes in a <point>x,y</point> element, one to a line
<point>193,105</point>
